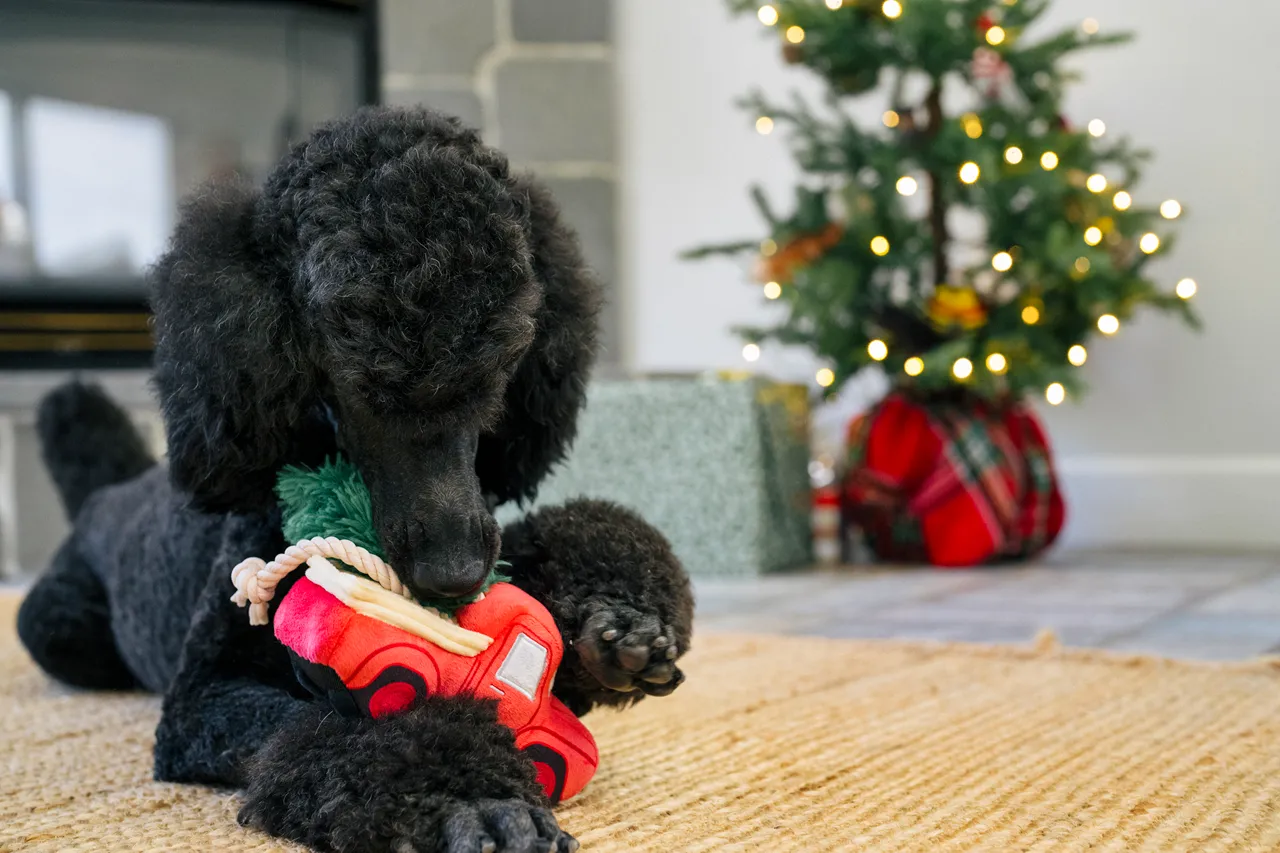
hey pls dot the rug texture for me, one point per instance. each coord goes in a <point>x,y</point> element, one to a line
<point>774,744</point>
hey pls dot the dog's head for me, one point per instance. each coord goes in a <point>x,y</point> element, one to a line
<point>375,297</point>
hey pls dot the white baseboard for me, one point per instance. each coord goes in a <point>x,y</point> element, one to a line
<point>1203,502</point>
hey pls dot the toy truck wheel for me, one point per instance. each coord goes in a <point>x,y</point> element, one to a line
<point>551,768</point>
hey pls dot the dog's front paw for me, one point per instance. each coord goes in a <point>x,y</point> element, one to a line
<point>497,826</point>
<point>627,650</point>
<point>460,826</point>
<point>443,777</point>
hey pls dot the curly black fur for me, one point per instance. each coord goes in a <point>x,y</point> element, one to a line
<point>536,429</point>
<point>378,246</point>
<point>414,770</point>
<point>88,443</point>
<point>395,294</point>
<point>600,568</point>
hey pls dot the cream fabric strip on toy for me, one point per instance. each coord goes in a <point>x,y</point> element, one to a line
<point>367,598</point>
<point>256,580</point>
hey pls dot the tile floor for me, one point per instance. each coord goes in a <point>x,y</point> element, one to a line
<point>1175,605</point>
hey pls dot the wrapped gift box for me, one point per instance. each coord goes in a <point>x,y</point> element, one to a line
<point>718,464</point>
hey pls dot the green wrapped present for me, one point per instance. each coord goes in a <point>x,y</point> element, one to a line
<point>718,464</point>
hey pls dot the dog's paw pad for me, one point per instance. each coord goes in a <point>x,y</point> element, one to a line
<point>625,649</point>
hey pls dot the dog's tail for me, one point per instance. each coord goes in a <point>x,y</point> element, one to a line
<point>88,442</point>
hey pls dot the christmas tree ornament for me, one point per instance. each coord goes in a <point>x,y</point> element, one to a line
<point>990,72</point>
<point>956,308</point>
<point>801,251</point>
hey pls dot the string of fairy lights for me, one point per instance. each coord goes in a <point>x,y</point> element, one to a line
<point>1003,261</point>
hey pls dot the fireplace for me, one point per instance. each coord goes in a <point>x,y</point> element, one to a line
<point>110,112</point>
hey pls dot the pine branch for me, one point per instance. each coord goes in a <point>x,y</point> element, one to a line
<point>762,204</point>
<point>737,248</point>
<point>937,204</point>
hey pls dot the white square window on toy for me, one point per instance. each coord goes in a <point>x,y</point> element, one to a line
<point>524,666</point>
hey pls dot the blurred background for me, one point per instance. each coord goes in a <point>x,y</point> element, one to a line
<point>111,110</point>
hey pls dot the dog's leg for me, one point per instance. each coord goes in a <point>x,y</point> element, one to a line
<point>619,595</point>
<point>444,776</point>
<point>206,735</point>
<point>234,688</point>
<point>65,623</point>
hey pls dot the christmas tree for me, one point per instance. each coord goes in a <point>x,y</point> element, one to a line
<point>978,238</point>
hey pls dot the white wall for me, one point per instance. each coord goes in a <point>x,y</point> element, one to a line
<point>1178,442</point>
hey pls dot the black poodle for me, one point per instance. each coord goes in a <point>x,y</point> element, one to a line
<point>395,294</point>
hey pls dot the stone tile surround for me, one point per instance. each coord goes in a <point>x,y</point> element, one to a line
<point>32,523</point>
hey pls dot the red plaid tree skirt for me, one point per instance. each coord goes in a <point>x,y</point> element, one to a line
<point>952,484</point>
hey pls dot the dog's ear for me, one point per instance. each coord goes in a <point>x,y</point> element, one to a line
<point>542,402</point>
<point>233,374</point>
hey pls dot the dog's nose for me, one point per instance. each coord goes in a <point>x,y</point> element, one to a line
<point>433,580</point>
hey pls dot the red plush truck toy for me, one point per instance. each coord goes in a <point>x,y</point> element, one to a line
<point>359,640</point>
<point>366,666</point>
<point>371,652</point>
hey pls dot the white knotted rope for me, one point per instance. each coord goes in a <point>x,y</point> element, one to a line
<point>256,579</point>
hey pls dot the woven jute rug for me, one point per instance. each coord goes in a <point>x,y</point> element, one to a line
<point>775,744</point>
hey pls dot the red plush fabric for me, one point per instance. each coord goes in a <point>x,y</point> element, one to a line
<point>385,670</point>
<point>952,484</point>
